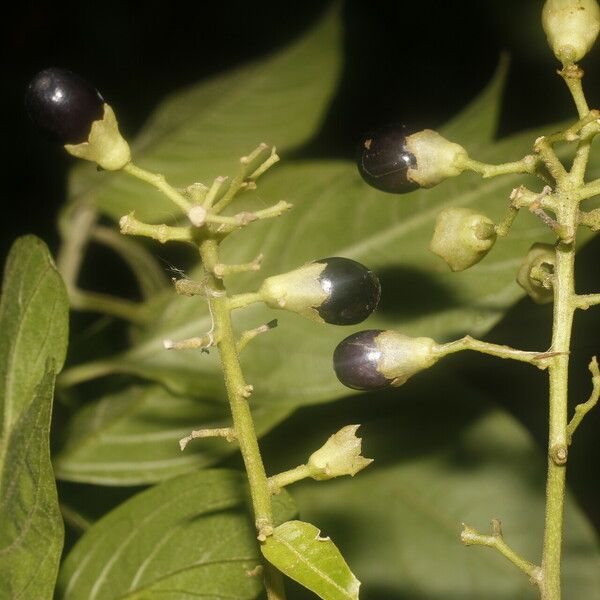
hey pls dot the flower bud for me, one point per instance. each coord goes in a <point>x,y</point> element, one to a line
<point>70,110</point>
<point>393,161</point>
<point>340,455</point>
<point>462,237</point>
<point>331,290</point>
<point>374,359</point>
<point>571,27</point>
<point>536,273</point>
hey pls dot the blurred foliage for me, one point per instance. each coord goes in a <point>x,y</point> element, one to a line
<point>445,447</point>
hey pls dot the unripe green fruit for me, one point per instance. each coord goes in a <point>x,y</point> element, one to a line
<point>462,237</point>
<point>536,274</point>
<point>571,27</point>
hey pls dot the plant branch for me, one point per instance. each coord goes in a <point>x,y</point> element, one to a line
<point>584,301</point>
<point>238,392</point>
<point>228,433</point>
<point>105,304</point>
<point>471,537</point>
<point>468,343</point>
<point>527,164</point>
<point>160,183</point>
<point>73,242</point>
<point>285,478</point>
<point>163,233</point>
<point>243,300</point>
<point>582,409</point>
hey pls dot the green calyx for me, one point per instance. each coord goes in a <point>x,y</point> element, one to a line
<point>462,237</point>
<point>401,356</point>
<point>299,291</point>
<point>105,144</point>
<point>436,158</point>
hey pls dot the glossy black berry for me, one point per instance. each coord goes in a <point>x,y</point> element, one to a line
<point>383,160</point>
<point>353,291</point>
<point>63,105</point>
<point>355,361</point>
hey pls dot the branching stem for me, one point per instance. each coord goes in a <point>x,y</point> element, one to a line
<point>471,537</point>
<point>582,409</point>
<point>237,392</point>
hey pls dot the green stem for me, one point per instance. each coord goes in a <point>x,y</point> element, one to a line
<point>468,343</point>
<point>161,184</point>
<point>74,241</point>
<point>237,392</point>
<point>108,305</point>
<point>243,300</point>
<point>288,477</point>
<point>564,283</point>
<point>527,164</point>
<point>471,537</point>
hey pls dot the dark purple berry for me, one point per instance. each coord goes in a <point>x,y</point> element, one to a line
<point>355,361</point>
<point>353,291</point>
<point>63,105</point>
<point>383,160</point>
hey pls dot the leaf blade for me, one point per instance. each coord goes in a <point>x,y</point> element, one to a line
<point>33,321</point>
<point>190,534</point>
<point>131,438</point>
<point>298,551</point>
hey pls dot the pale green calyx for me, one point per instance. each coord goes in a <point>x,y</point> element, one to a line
<point>462,237</point>
<point>401,356</point>
<point>340,455</point>
<point>571,27</point>
<point>105,145</point>
<point>299,291</point>
<point>536,274</point>
<point>436,158</point>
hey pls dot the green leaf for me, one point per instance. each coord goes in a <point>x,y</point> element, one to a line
<point>387,234</point>
<point>188,537</point>
<point>201,132</point>
<point>439,462</point>
<point>342,216</point>
<point>298,551</point>
<point>131,437</point>
<point>33,322</point>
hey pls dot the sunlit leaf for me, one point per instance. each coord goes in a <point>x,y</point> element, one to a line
<point>298,550</point>
<point>189,537</point>
<point>33,322</point>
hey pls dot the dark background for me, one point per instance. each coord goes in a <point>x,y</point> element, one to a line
<point>410,61</point>
<point>418,62</point>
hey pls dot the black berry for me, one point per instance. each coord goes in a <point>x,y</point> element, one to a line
<point>63,105</point>
<point>383,160</point>
<point>353,291</point>
<point>355,361</point>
